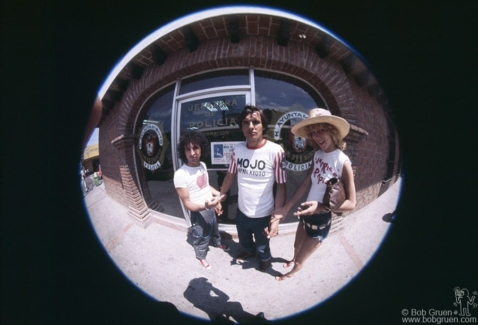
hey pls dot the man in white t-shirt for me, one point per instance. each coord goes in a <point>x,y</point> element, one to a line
<point>258,165</point>
<point>191,181</point>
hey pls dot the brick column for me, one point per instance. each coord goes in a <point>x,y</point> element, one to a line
<point>137,207</point>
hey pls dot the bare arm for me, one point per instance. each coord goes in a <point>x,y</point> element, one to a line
<point>281,212</point>
<point>217,195</point>
<point>183,194</point>
<point>282,208</point>
<point>227,183</point>
<point>349,186</point>
<point>214,191</point>
<point>273,228</point>
<point>280,196</point>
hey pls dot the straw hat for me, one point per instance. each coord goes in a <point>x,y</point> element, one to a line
<point>320,115</point>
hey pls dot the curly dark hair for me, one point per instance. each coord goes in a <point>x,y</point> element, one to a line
<point>248,109</point>
<point>193,137</point>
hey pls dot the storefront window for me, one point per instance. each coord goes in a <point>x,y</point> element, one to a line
<point>154,149</point>
<point>287,101</point>
<point>282,93</point>
<point>221,78</point>
<point>216,117</point>
<point>202,106</point>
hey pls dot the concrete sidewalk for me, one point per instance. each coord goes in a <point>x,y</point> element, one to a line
<point>161,262</point>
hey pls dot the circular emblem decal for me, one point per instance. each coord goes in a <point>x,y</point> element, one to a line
<point>298,153</point>
<point>150,146</point>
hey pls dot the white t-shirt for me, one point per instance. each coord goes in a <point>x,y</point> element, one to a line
<point>326,166</point>
<point>257,170</point>
<point>196,180</point>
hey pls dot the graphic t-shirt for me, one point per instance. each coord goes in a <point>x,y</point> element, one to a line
<point>196,180</point>
<point>257,170</point>
<point>326,166</point>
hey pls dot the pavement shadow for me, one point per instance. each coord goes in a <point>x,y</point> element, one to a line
<point>389,217</point>
<point>235,250</point>
<point>254,262</point>
<point>216,304</point>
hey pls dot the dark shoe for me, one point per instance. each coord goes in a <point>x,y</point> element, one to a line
<point>260,315</point>
<point>264,265</point>
<point>245,255</point>
<point>224,247</point>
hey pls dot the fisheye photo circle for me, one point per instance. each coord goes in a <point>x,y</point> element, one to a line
<point>240,156</point>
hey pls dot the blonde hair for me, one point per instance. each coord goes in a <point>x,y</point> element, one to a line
<point>334,134</point>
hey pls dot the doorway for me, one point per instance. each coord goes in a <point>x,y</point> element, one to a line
<point>215,116</point>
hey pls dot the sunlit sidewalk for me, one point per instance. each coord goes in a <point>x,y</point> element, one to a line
<point>160,262</point>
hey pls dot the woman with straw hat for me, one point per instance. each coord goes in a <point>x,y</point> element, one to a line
<point>325,132</point>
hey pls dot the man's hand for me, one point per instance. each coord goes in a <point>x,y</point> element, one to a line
<point>223,197</point>
<point>218,209</point>
<point>213,202</point>
<point>273,229</point>
<point>277,216</point>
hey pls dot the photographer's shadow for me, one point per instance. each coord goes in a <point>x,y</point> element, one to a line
<point>389,217</point>
<point>215,303</point>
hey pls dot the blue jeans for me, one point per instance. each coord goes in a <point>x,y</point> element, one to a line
<point>317,226</point>
<point>246,227</point>
<point>205,231</point>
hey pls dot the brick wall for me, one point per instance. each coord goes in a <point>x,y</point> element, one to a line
<point>260,50</point>
<point>370,159</point>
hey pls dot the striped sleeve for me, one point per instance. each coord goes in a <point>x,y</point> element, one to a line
<point>233,166</point>
<point>279,167</point>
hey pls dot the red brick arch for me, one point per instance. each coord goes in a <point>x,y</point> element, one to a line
<point>344,82</point>
<point>326,76</point>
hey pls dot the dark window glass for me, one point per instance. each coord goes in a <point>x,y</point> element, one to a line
<point>154,149</point>
<point>284,99</point>
<point>160,111</point>
<point>283,93</point>
<point>216,117</point>
<point>215,79</point>
<point>287,101</point>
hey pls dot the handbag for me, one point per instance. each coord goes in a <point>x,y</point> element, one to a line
<point>334,195</point>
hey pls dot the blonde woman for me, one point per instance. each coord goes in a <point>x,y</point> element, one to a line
<point>325,132</point>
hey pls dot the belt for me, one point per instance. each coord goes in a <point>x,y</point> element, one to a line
<point>315,227</point>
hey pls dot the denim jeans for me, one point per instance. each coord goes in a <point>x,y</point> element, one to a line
<point>317,226</point>
<point>204,231</point>
<point>246,228</point>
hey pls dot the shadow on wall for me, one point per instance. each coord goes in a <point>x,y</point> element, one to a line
<point>215,303</point>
